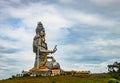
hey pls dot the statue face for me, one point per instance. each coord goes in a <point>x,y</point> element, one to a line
<point>40,25</point>
<point>42,33</point>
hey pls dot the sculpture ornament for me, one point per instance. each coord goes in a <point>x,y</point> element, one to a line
<point>40,47</point>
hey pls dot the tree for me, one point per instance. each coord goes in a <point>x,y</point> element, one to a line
<point>114,70</point>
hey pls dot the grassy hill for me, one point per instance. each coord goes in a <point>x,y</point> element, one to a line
<point>94,78</point>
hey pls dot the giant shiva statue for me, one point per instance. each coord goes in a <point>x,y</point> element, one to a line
<point>40,47</point>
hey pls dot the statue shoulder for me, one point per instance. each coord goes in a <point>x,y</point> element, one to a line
<point>36,37</point>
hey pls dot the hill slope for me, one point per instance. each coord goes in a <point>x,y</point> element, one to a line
<point>56,79</point>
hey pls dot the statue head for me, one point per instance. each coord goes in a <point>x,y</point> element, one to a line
<point>40,29</point>
<point>40,24</point>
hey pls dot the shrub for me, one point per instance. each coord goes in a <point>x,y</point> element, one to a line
<point>38,75</point>
<point>26,75</point>
<point>114,70</point>
<point>113,81</point>
<point>53,82</point>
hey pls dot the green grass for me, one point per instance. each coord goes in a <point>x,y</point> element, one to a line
<point>60,79</point>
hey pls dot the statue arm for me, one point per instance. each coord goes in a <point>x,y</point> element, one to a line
<point>46,51</point>
<point>49,51</point>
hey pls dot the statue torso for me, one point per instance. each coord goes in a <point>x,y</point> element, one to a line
<point>38,41</point>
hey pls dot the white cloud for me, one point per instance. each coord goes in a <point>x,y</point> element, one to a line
<point>93,68</point>
<point>54,19</point>
<point>66,1</point>
<point>102,42</point>
<point>92,19</point>
<point>103,48</point>
<point>20,35</point>
<point>104,2</point>
<point>68,50</point>
<point>33,13</point>
<point>51,18</point>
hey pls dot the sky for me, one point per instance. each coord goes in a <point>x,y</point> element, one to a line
<point>86,32</point>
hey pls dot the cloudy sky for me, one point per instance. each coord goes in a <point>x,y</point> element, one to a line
<point>87,33</point>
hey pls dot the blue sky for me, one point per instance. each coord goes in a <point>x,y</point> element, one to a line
<point>86,32</point>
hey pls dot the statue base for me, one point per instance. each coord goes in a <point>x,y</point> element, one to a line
<point>41,68</point>
<point>41,71</point>
<point>51,68</point>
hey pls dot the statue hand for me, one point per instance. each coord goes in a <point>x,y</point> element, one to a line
<point>55,49</point>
